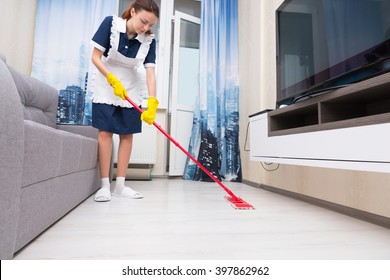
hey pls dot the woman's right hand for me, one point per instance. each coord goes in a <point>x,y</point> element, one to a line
<point>119,89</point>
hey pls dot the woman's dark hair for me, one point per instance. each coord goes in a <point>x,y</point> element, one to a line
<point>146,5</point>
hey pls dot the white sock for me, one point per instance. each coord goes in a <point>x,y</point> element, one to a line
<point>120,184</point>
<point>122,190</point>
<point>105,183</point>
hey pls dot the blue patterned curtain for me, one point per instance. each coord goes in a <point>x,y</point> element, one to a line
<point>214,141</point>
<point>62,52</point>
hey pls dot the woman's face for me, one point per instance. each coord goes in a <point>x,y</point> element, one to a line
<point>143,21</point>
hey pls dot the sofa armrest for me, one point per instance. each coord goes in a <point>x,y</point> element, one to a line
<point>40,100</point>
<point>84,130</point>
<point>11,163</point>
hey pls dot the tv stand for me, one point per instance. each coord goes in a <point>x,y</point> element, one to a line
<point>346,128</point>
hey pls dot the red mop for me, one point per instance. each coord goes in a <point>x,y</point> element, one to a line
<point>234,201</point>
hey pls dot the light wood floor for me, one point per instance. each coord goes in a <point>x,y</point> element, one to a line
<point>189,220</point>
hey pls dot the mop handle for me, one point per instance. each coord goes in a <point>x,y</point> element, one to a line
<point>185,151</point>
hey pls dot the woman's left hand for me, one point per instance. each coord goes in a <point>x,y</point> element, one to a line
<point>149,115</point>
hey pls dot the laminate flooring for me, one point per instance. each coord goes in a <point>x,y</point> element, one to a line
<point>189,220</point>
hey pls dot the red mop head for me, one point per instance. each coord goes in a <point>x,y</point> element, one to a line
<point>238,203</point>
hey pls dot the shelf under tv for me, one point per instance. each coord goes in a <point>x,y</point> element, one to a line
<point>348,128</point>
<point>362,103</point>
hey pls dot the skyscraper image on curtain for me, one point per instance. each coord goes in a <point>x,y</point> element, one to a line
<point>215,132</point>
<point>62,52</point>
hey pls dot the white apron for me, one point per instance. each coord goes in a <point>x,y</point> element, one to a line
<point>124,68</point>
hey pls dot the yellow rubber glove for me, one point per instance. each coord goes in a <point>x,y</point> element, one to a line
<point>119,89</point>
<point>149,115</point>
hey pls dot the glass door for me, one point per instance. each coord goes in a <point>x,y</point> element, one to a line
<point>185,86</point>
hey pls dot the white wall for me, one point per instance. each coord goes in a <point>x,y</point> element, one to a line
<point>257,69</point>
<point>17,21</point>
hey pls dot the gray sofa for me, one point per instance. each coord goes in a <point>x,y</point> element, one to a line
<point>45,169</point>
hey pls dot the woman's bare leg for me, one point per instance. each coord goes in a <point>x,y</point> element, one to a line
<point>105,147</point>
<point>124,152</point>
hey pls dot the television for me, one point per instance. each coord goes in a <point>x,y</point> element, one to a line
<point>326,44</point>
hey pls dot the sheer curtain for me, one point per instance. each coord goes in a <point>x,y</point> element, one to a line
<point>62,51</point>
<point>214,140</point>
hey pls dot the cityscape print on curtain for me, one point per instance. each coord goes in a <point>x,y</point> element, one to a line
<point>214,139</point>
<point>62,52</point>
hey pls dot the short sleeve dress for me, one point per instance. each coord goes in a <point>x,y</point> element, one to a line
<point>122,57</point>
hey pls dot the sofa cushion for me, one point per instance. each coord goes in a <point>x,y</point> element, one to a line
<point>39,99</point>
<point>50,153</point>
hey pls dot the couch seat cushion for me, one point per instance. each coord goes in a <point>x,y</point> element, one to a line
<point>50,153</point>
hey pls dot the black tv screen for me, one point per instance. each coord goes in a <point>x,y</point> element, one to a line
<point>326,44</point>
